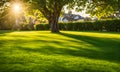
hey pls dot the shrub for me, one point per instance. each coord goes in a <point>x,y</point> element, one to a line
<point>42,27</point>
<point>25,27</point>
<point>108,25</point>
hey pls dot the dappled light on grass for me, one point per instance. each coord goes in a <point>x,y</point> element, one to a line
<point>42,51</point>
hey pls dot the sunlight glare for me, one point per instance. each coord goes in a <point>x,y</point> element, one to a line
<point>16,8</point>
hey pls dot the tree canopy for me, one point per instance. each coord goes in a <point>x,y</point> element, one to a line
<point>103,7</point>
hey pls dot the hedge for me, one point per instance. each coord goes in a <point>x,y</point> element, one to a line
<point>106,25</point>
<point>42,27</point>
<point>103,25</point>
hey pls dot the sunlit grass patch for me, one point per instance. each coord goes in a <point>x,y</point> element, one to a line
<point>68,51</point>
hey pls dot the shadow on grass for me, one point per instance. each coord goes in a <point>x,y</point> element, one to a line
<point>5,31</point>
<point>109,48</point>
<point>109,51</point>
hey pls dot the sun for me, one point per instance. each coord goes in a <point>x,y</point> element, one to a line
<point>16,8</point>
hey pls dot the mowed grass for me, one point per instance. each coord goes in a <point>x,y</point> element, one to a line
<point>68,51</point>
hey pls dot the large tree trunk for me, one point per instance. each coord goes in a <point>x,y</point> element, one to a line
<point>53,21</point>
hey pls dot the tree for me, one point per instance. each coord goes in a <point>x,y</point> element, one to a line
<point>101,8</point>
<point>51,9</point>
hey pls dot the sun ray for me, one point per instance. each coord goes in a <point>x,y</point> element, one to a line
<point>16,8</point>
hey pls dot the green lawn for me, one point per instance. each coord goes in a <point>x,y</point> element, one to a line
<point>68,51</point>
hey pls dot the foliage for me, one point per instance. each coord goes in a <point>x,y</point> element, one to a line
<point>102,7</point>
<point>6,20</point>
<point>42,27</point>
<point>48,7</point>
<point>108,25</point>
<point>35,13</point>
<point>8,15</point>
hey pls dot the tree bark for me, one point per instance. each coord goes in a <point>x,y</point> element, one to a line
<point>53,21</point>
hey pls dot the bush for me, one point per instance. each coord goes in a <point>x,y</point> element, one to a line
<point>107,25</point>
<point>25,27</point>
<point>5,25</point>
<point>42,27</point>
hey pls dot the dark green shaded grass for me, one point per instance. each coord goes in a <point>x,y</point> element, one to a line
<point>68,51</point>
